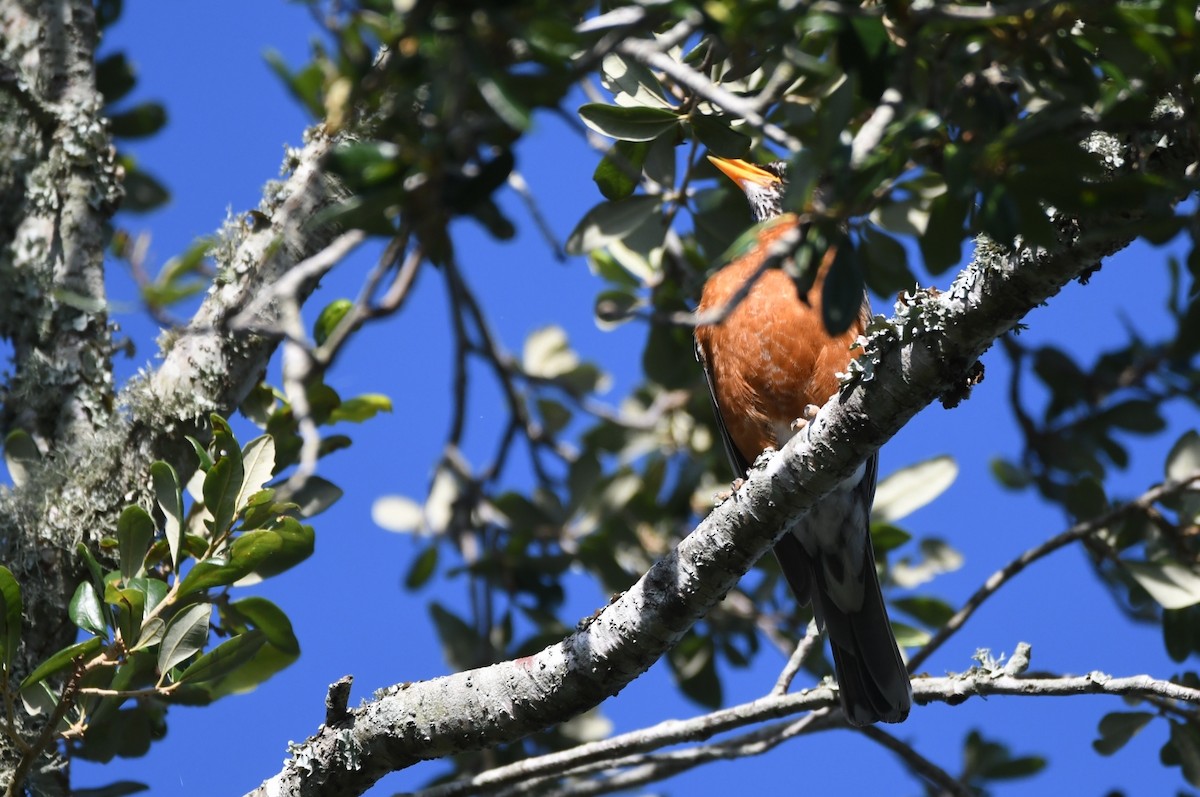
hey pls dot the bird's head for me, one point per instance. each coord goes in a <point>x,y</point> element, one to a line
<point>762,185</point>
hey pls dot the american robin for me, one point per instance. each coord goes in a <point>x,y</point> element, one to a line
<point>767,363</point>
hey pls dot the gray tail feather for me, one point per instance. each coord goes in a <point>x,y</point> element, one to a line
<point>871,675</point>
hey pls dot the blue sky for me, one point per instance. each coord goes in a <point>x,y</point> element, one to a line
<point>229,121</point>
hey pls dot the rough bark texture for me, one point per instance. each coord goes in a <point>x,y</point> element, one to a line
<point>58,187</point>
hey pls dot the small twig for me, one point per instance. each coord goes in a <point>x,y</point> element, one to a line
<point>517,183</point>
<point>804,648</point>
<point>947,783</point>
<point>1005,574</point>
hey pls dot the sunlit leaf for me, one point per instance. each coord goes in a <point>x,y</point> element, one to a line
<point>1171,584</point>
<point>908,489</point>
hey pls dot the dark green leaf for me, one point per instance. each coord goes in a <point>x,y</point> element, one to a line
<point>422,568</point>
<point>120,788</point>
<point>721,139</point>
<point>85,610</point>
<point>941,245</point>
<point>1085,499</point>
<point>135,531</point>
<point>305,85</point>
<point>224,658</point>
<point>114,77</point>
<point>1012,476</point>
<point>143,191</point>
<point>186,635</point>
<point>221,486</point>
<point>1117,728</point>
<point>628,124</point>
<point>611,221</point>
<point>885,262</point>
<point>461,646</point>
<point>271,620</point>
<point>933,612</point>
<point>63,659</point>
<point>693,664</point>
<point>619,170</point>
<point>1136,415</point>
<point>138,122</point>
<point>842,294</point>
<point>1183,750</point>
<point>169,496</point>
<point>886,537</point>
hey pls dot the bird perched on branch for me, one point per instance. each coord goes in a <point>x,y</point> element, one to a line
<point>769,363</point>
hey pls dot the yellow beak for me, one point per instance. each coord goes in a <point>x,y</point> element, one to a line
<point>742,172</point>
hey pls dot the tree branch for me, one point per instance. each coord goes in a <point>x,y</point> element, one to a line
<point>1005,574</point>
<point>908,361</point>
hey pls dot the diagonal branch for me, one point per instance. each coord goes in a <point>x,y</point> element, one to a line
<point>926,351</point>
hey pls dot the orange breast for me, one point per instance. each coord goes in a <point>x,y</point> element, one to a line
<point>772,355</point>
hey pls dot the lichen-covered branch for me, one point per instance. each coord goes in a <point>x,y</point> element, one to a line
<point>923,353</point>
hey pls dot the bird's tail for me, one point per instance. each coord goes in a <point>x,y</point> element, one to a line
<point>871,675</point>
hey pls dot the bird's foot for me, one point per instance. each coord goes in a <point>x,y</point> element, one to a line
<point>725,495</point>
<point>809,412</point>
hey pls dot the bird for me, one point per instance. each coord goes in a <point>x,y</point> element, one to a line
<point>769,364</point>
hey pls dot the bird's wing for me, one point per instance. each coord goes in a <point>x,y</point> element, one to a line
<point>740,466</point>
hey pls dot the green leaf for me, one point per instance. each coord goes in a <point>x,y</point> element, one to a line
<point>63,659</point>
<point>209,574</point>
<point>1183,750</point>
<point>1183,462</point>
<point>721,139</point>
<point>169,496</point>
<point>86,612</point>
<point>620,169</point>
<point>270,620</point>
<point>120,788</point>
<point>842,293</point>
<point>186,635</point>
<point>628,124</point>
<point>1135,415</point>
<point>1117,728</point>
<point>131,608</point>
<point>1171,584</point>
<point>693,663</point>
<point>224,658</point>
<point>258,463</point>
<point>205,461</point>
<point>1085,498</point>
<point>422,568</point>
<point>1011,476</point>
<point>908,489</point>
<point>140,121</point>
<point>361,408</point>
<point>11,610</point>
<point>143,191</point>
<point>314,496</point>
<point>135,532</point>
<point>908,636</point>
<point>609,222</point>
<point>885,262</point>
<point>20,455</point>
<point>222,484</point>
<point>305,85</point>
<point>329,319</point>
<point>886,537</point>
<point>933,612</point>
<point>114,77</point>
<point>461,645</point>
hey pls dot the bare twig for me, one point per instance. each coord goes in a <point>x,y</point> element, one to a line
<point>947,783</point>
<point>1005,574</point>
<point>812,637</point>
<point>625,750</point>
